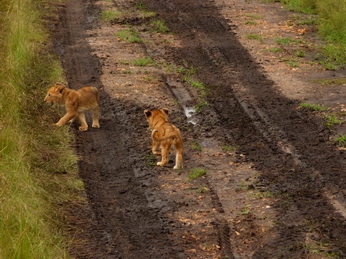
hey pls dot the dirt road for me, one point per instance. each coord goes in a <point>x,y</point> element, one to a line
<point>272,184</point>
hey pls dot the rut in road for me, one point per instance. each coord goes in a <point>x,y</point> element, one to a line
<point>124,224</point>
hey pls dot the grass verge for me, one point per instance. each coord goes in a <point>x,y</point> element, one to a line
<point>331,24</point>
<point>37,166</point>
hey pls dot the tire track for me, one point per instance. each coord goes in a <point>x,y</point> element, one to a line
<point>295,139</point>
<point>127,218</point>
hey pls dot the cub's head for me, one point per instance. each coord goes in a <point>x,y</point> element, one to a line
<point>54,94</point>
<point>153,116</point>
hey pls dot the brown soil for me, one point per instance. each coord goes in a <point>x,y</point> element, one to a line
<point>279,193</point>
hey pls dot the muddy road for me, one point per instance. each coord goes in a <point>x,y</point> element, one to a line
<point>272,184</point>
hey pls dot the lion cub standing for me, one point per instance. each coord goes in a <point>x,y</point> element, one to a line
<point>164,135</point>
<point>76,104</point>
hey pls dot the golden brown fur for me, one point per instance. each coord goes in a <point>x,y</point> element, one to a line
<point>76,104</point>
<point>164,135</point>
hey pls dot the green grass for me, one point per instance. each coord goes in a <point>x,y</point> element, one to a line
<point>197,85</point>
<point>143,10</point>
<point>341,140</point>
<point>315,107</point>
<point>38,168</point>
<point>254,37</point>
<point>276,50</point>
<point>129,35</point>
<point>158,26</point>
<point>332,120</point>
<point>196,173</point>
<point>291,62</point>
<point>331,81</point>
<point>196,146</point>
<point>250,23</point>
<point>334,56</point>
<point>331,23</point>
<point>127,72</point>
<point>187,71</point>
<point>261,194</point>
<point>143,62</point>
<point>283,41</point>
<point>202,104</point>
<point>246,210</point>
<point>300,53</point>
<point>254,16</point>
<point>150,159</point>
<point>228,148</point>
<point>332,19</point>
<point>109,15</point>
<point>310,21</point>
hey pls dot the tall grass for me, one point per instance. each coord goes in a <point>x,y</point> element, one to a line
<point>331,25</point>
<point>30,156</point>
<point>332,19</point>
<point>331,13</point>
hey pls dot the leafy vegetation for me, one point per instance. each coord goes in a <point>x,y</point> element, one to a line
<point>38,168</point>
<point>246,210</point>
<point>228,148</point>
<point>143,10</point>
<point>254,37</point>
<point>129,35</point>
<point>300,53</point>
<point>150,159</point>
<point>276,50</point>
<point>109,15</point>
<point>201,104</point>
<point>195,84</point>
<point>251,23</point>
<point>143,62</point>
<point>196,173</point>
<point>332,120</point>
<point>331,81</point>
<point>315,107</point>
<point>196,146</point>
<point>159,26</point>
<point>331,23</point>
<point>341,140</point>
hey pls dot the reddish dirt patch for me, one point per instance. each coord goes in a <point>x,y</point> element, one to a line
<point>274,183</point>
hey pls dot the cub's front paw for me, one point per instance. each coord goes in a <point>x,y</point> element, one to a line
<point>81,128</point>
<point>96,125</point>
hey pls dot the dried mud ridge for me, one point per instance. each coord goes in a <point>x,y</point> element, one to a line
<point>129,217</point>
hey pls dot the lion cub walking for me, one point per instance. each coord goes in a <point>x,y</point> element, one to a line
<point>164,135</point>
<point>76,104</point>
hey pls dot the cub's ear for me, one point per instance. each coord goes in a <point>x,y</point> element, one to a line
<point>165,110</point>
<point>147,113</point>
<point>61,87</point>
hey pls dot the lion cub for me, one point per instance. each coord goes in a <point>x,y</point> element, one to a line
<point>164,135</point>
<point>76,104</point>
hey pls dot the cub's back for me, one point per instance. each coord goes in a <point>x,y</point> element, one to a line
<point>88,96</point>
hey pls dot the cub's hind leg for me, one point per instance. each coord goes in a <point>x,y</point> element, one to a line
<point>155,147</point>
<point>179,157</point>
<point>96,117</point>
<point>164,154</point>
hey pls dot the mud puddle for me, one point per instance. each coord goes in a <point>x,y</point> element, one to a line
<point>183,97</point>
